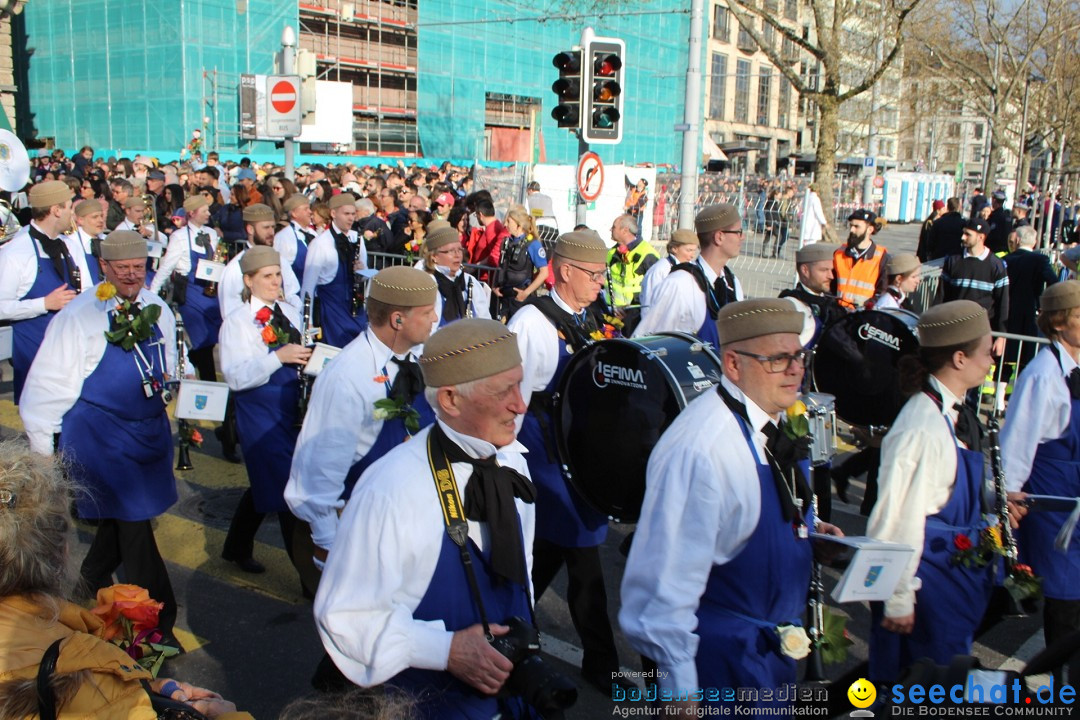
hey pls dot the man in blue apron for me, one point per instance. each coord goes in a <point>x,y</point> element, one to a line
<point>397,604</point>
<point>931,498</point>
<point>293,239</point>
<point>107,405</point>
<point>331,274</point>
<point>689,301</point>
<point>1040,450</point>
<point>717,578</point>
<point>41,271</point>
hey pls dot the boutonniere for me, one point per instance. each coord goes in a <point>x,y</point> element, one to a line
<point>797,425</point>
<point>130,323</point>
<point>391,409</point>
<point>610,329</point>
<point>794,642</point>
<point>274,337</point>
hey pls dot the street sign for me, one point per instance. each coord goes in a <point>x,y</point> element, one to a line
<point>590,176</point>
<point>868,162</point>
<point>283,114</point>
<point>879,182</point>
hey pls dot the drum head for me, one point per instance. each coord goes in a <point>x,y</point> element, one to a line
<point>615,399</point>
<point>856,360</point>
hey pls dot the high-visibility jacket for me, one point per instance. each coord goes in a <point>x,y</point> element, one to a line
<point>856,279</point>
<point>628,271</point>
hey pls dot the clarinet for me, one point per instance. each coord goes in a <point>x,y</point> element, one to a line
<point>815,664</point>
<point>609,294</point>
<point>358,282</point>
<point>308,335</point>
<point>183,454</point>
<point>1008,542</point>
<point>468,298</point>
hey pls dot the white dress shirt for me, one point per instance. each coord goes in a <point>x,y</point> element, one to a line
<point>538,343</point>
<point>918,473</point>
<point>339,429</point>
<point>384,558</point>
<point>480,300</point>
<point>73,346</point>
<point>321,264</point>
<point>231,286</point>
<point>246,360</point>
<point>18,273</point>
<point>814,219</point>
<point>1039,411</point>
<point>702,503</point>
<point>650,284</point>
<point>679,303</point>
<point>886,301</point>
<point>286,240</point>
<point>177,257</point>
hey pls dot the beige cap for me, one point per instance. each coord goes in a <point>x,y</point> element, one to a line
<point>87,208</point>
<point>953,323</point>
<point>123,245</point>
<point>755,318</point>
<point>583,246</point>
<point>194,202</point>
<point>468,350</point>
<point>435,225</point>
<point>717,217</point>
<point>258,257</point>
<point>1061,296</point>
<point>815,252</point>
<point>341,200</point>
<point>133,202</point>
<point>685,237</point>
<point>901,264</point>
<point>403,286</point>
<point>294,202</point>
<point>257,212</point>
<point>49,193</point>
<point>440,237</point>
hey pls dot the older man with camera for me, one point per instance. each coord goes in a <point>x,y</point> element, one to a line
<point>427,585</point>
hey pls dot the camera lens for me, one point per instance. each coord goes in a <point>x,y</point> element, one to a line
<point>542,687</point>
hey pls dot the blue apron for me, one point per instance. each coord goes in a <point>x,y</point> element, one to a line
<point>1055,471</point>
<point>95,270</point>
<point>119,442</point>
<point>562,517</point>
<point>28,334</point>
<point>742,605</point>
<point>708,333</point>
<point>339,326</point>
<point>301,253</point>
<point>953,598</point>
<point>202,314</point>
<point>266,420</point>
<point>448,598</point>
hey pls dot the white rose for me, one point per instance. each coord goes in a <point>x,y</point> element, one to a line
<point>794,642</point>
<point>381,413</point>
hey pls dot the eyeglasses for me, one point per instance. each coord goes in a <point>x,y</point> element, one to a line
<point>596,277</point>
<point>740,231</point>
<point>777,363</point>
<point>451,251</point>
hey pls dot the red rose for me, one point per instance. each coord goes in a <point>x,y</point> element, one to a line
<point>263,315</point>
<point>962,542</point>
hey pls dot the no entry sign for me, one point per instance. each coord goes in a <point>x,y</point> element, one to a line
<point>283,105</point>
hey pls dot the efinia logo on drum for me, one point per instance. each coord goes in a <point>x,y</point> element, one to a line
<point>869,332</point>
<point>607,374</point>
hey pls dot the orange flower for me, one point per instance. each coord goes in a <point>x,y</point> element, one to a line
<point>126,601</point>
<point>381,378</point>
<point>268,335</point>
<point>196,437</point>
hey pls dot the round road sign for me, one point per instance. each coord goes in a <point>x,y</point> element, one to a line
<point>879,181</point>
<point>283,97</point>
<point>590,176</point>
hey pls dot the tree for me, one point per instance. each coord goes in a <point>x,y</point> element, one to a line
<point>842,38</point>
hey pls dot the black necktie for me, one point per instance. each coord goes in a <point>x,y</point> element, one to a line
<point>61,259</point>
<point>1073,381</point>
<point>968,428</point>
<point>489,497</point>
<point>409,382</point>
<point>345,255</point>
<point>282,323</point>
<point>202,239</point>
<point>453,294</point>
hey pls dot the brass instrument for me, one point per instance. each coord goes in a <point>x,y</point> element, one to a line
<point>308,335</point>
<point>1008,542</point>
<point>815,664</point>
<point>183,454</point>
<point>149,201</point>
<point>221,255</point>
<point>11,222</point>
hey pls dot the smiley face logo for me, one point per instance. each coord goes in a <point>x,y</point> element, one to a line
<point>862,693</point>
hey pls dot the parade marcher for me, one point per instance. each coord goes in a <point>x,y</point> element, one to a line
<point>1040,452</point>
<point>41,271</point>
<point>568,531</point>
<point>461,295</point>
<point>89,230</point>
<point>628,262</point>
<point>292,240</point>
<point>395,605</point>
<point>259,224</point>
<point>261,353</point>
<point>931,494</point>
<point>903,273</point>
<point>1029,274</point>
<point>859,266</point>
<point>330,274</point>
<point>721,559</point>
<point>978,275</point>
<point>200,311</point>
<point>523,264</point>
<point>689,301</point>
<point>682,248</point>
<point>99,383</point>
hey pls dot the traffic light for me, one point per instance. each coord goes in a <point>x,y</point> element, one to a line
<point>603,101</point>
<point>567,113</point>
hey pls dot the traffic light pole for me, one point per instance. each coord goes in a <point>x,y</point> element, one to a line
<point>582,206</point>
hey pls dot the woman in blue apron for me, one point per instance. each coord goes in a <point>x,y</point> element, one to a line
<point>935,616</point>
<point>1041,452</point>
<point>261,357</point>
<point>295,233</point>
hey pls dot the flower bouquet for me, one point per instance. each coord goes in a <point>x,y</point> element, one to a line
<point>273,336</point>
<point>611,328</point>
<point>131,323</point>
<point>130,618</point>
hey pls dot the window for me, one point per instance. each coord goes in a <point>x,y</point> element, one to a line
<point>791,9</point>
<point>788,50</point>
<point>975,153</point>
<point>718,86</point>
<point>768,34</point>
<point>785,103</point>
<point>721,24</point>
<point>742,92</point>
<point>764,95</point>
<point>952,131</point>
<point>952,153</point>
<point>745,42</point>
<point>978,131</point>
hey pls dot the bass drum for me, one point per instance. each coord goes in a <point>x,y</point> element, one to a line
<point>614,400</point>
<point>856,359</point>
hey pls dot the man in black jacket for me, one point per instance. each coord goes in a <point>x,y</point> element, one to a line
<point>947,231</point>
<point>1000,225</point>
<point>1029,274</point>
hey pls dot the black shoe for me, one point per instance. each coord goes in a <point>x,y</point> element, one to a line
<point>248,564</point>
<point>228,449</point>
<point>841,484</point>
<point>603,680</point>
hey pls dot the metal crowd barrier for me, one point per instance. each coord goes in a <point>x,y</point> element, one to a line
<point>380,260</point>
<point>1019,350</point>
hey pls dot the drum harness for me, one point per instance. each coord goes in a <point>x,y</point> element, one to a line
<point>719,293</point>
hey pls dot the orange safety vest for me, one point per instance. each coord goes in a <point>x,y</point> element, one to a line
<point>856,280</point>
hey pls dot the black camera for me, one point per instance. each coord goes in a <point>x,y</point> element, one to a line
<point>543,687</point>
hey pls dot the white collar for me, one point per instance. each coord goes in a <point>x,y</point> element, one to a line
<point>980,256</point>
<point>561,304</point>
<point>1067,362</point>
<point>758,417</point>
<point>948,400</point>
<point>710,274</point>
<point>475,447</point>
<point>446,271</point>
